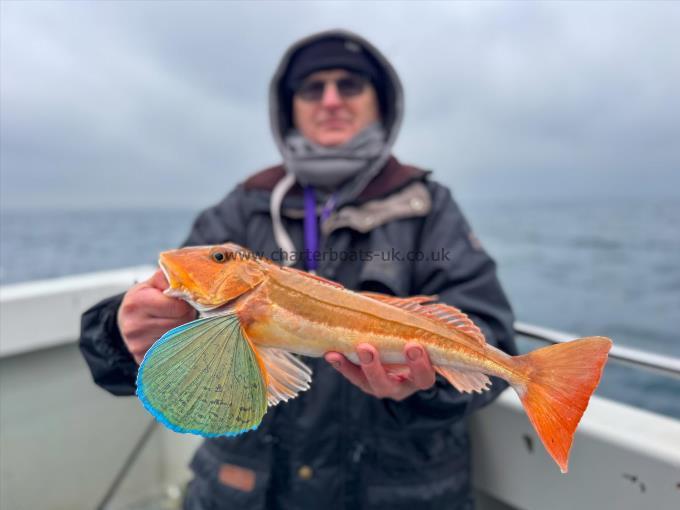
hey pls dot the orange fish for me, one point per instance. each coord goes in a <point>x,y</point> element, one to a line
<point>216,376</point>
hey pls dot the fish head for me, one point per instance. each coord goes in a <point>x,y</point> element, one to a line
<point>210,277</point>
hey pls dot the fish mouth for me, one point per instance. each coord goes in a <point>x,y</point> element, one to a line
<point>179,283</point>
<point>172,289</point>
<point>177,280</point>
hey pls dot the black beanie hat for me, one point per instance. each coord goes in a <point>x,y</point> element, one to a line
<point>331,53</point>
<point>335,51</point>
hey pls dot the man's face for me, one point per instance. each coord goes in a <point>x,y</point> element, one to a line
<point>332,106</point>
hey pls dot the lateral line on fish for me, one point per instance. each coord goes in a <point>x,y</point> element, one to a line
<point>348,308</point>
<point>444,342</point>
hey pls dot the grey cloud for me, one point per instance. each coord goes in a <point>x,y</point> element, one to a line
<point>150,103</point>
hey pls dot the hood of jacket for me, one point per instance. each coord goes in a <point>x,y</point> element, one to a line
<point>280,99</point>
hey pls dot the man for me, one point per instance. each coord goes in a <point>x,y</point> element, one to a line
<point>361,437</point>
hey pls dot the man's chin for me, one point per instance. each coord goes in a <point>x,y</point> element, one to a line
<point>334,137</point>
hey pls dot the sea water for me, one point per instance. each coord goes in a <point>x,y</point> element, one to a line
<point>591,267</point>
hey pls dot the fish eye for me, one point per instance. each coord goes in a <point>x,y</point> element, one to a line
<point>219,257</point>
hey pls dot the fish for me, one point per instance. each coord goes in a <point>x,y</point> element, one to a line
<point>217,375</point>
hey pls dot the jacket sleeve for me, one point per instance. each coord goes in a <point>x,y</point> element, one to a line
<point>461,273</point>
<point>112,366</point>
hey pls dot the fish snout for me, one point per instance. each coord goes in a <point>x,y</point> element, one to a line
<point>173,272</point>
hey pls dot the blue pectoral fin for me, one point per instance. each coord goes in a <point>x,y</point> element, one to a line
<point>204,378</point>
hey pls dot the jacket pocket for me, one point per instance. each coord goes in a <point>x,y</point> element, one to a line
<point>226,483</point>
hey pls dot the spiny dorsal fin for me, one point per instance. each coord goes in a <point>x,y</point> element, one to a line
<point>313,276</point>
<point>448,315</point>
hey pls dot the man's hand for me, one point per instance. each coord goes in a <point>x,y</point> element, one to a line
<point>373,378</point>
<point>146,313</point>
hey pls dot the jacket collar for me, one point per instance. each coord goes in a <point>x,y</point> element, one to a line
<point>391,178</point>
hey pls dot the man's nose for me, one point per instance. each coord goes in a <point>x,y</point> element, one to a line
<point>331,97</point>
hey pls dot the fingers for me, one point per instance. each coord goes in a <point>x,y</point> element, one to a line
<point>374,372</point>
<point>352,373</point>
<point>140,332</point>
<point>147,299</point>
<point>422,373</point>
<point>138,349</point>
<point>398,373</point>
<point>393,382</point>
<point>158,280</point>
<point>157,304</point>
<point>370,376</point>
<point>150,328</point>
<point>146,314</point>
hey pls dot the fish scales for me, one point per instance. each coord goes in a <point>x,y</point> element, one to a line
<point>340,320</point>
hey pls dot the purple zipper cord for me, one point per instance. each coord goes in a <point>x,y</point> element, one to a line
<point>311,227</point>
<point>328,208</point>
<point>311,233</point>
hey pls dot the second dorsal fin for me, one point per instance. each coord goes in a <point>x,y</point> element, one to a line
<point>406,303</point>
<point>450,316</point>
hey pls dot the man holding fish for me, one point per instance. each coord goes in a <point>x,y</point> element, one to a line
<point>365,435</point>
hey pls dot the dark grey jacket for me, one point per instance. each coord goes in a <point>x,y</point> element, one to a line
<point>335,446</point>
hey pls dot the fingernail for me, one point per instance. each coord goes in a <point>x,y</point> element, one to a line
<point>365,356</point>
<point>335,365</point>
<point>413,354</point>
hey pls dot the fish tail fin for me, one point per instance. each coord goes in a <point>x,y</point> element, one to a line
<point>555,388</point>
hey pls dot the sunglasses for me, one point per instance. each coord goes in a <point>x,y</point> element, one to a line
<point>348,86</point>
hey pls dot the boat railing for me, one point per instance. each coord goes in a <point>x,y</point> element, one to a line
<point>663,364</point>
<point>87,449</point>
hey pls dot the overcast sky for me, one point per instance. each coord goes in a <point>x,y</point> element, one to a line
<point>164,103</point>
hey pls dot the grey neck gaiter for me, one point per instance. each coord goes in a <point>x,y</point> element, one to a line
<point>342,168</point>
<point>343,171</point>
